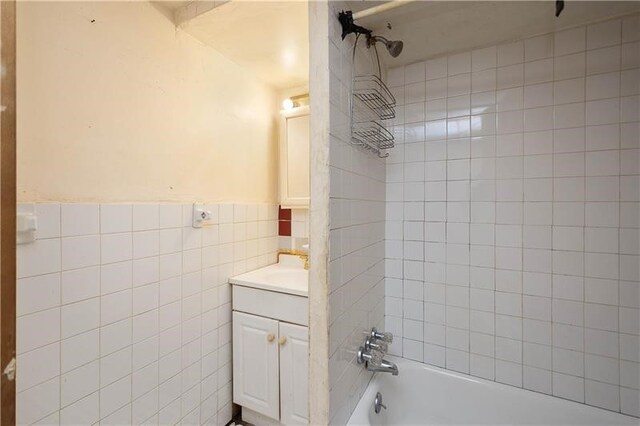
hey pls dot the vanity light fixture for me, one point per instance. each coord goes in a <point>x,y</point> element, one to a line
<point>288,104</point>
<point>295,101</point>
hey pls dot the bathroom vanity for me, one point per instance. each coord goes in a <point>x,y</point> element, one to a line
<point>270,343</point>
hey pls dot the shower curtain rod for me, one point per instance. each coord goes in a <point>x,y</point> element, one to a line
<point>381,8</point>
<point>392,4</point>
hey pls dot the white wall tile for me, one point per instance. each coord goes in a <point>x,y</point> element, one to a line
<point>602,395</point>
<point>80,284</point>
<point>436,68</point>
<point>602,86</point>
<point>103,321</point>
<point>604,34</point>
<point>115,396</point>
<point>629,401</point>
<point>37,293</point>
<point>115,277</point>
<point>540,47</point>
<point>37,258</point>
<point>512,53</point>
<point>38,402</point>
<point>79,350</point>
<point>38,329</point>
<point>115,218</point>
<point>537,213</point>
<point>79,317</point>
<point>38,366</point>
<point>48,220</point>
<point>84,411</point>
<point>79,383</point>
<point>603,60</point>
<point>569,66</point>
<point>79,219</point>
<point>80,252</point>
<point>459,64</point>
<point>115,248</point>
<point>414,73</point>
<point>146,244</point>
<point>482,59</point>
<point>570,41</point>
<point>146,217</point>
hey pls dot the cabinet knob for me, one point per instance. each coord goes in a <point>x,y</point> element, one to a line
<point>271,337</point>
<point>283,340</point>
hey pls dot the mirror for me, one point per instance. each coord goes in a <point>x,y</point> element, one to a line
<point>294,158</point>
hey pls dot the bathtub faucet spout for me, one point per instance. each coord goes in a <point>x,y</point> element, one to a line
<point>385,367</point>
<point>373,360</point>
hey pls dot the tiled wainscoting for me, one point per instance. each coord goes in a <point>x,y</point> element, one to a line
<point>293,228</point>
<point>124,311</point>
<point>513,214</point>
<point>356,237</point>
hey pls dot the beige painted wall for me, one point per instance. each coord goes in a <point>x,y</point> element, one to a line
<point>127,108</point>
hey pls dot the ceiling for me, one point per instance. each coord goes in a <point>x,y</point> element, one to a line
<point>270,38</point>
<point>436,28</point>
<point>172,4</point>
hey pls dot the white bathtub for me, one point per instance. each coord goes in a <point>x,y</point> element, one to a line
<point>425,395</point>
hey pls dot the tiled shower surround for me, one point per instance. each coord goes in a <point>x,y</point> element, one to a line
<point>124,313</point>
<point>513,214</point>
<point>356,237</point>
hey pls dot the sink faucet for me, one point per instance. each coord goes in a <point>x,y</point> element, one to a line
<point>300,253</point>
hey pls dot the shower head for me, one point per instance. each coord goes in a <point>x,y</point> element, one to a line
<point>394,47</point>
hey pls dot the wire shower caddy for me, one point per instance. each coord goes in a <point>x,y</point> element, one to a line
<point>371,102</point>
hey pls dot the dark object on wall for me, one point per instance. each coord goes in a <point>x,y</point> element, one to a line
<point>394,47</point>
<point>559,7</point>
<point>348,27</point>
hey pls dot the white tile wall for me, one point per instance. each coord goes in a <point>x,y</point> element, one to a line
<point>513,214</point>
<point>124,311</point>
<point>356,236</point>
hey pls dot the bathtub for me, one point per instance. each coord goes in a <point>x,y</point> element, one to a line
<point>426,395</point>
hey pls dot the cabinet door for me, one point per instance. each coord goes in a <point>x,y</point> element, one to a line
<point>294,374</point>
<point>255,364</point>
<point>294,158</point>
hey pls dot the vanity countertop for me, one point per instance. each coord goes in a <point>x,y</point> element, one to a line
<point>284,277</point>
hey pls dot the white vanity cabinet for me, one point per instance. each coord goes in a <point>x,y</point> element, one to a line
<point>255,364</point>
<point>294,374</point>
<point>270,356</point>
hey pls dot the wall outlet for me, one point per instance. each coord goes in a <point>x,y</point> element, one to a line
<point>201,217</point>
<point>26,227</point>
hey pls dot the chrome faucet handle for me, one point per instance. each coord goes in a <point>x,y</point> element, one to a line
<point>371,343</point>
<point>381,335</point>
<point>372,357</point>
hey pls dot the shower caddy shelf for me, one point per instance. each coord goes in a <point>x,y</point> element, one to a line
<point>372,91</point>
<point>371,102</point>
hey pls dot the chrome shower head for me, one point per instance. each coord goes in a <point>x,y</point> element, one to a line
<point>394,47</point>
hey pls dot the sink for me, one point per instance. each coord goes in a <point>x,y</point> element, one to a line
<point>288,277</point>
<point>280,277</point>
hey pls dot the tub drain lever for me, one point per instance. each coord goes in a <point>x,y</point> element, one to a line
<point>377,403</point>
